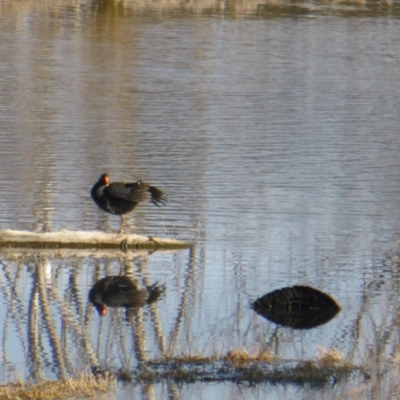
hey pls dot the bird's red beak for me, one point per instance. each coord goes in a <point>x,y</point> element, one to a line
<point>106,179</point>
<point>103,311</point>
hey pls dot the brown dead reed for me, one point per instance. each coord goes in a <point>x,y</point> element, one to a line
<point>83,387</point>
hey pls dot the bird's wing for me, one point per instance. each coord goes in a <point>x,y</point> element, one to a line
<point>131,298</point>
<point>137,192</point>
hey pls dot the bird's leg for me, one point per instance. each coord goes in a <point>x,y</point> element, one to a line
<point>121,226</point>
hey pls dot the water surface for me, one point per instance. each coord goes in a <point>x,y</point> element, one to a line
<point>272,128</point>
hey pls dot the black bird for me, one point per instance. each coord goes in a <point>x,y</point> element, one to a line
<point>120,198</point>
<point>122,291</point>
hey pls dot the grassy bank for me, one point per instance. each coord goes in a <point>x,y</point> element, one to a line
<point>80,387</point>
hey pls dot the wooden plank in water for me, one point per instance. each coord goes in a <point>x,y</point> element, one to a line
<point>86,240</point>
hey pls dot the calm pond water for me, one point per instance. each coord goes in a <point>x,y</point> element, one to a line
<point>274,130</point>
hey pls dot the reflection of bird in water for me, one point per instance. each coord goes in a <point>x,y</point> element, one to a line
<point>121,291</point>
<point>120,198</point>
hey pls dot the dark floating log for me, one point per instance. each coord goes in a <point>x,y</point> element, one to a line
<point>122,291</point>
<point>298,307</point>
<point>86,240</point>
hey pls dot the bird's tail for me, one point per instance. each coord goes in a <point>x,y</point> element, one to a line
<point>155,291</point>
<point>157,196</point>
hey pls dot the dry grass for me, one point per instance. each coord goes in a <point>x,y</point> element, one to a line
<point>329,357</point>
<point>235,357</point>
<point>187,358</point>
<point>241,356</point>
<point>82,387</point>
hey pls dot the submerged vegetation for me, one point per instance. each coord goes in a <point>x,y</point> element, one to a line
<point>241,366</point>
